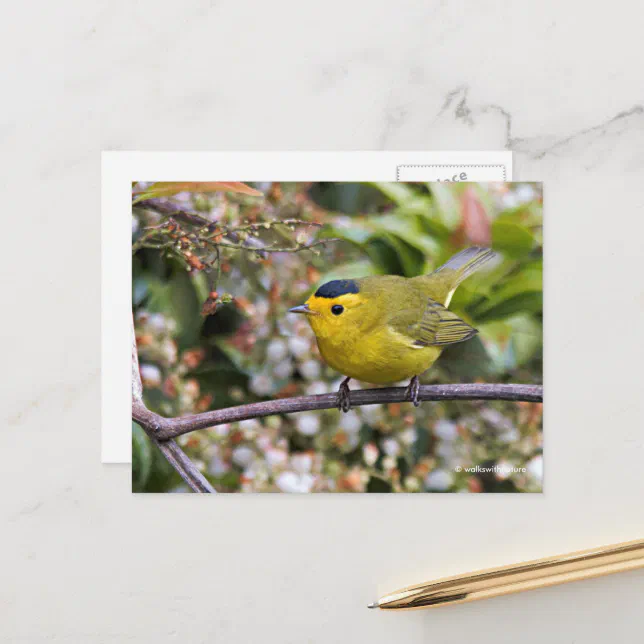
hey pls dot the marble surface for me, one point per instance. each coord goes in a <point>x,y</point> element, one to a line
<point>559,84</point>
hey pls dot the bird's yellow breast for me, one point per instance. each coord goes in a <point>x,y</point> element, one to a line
<point>379,357</point>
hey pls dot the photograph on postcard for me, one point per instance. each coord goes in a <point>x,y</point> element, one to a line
<point>334,337</point>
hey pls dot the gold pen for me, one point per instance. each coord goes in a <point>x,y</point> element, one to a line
<point>528,575</point>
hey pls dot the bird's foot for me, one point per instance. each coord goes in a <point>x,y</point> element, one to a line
<point>344,396</point>
<point>412,391</point>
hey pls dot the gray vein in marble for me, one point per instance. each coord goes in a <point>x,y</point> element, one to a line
<point>457,100</point>
<point>600,129</point>
<point>462,111</point>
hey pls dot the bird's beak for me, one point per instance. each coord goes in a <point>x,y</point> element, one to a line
<point>303,308</point>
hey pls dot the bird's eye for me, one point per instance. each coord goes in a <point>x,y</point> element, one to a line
<point>336,309</point>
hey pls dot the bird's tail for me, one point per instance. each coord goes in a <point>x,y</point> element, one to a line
<point>466,262</point>
<point>461,266</point>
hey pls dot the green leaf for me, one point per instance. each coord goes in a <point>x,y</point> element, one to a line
<point>526,286</point>
<point>141,458</point>
<point>526,280</point>
<point>436,229</point>
<point>355,234</point>
<point>512,342</point>
<point>411,259</point>
<point>528,215</point>
<point>384,256</point>
<point>236,357</point>
<point>466,360</point>
<point>229,480</point>
<point>186,309</point>
<point>448,206</point>
<point>421,445</point>
<point>352,270</point>
<point>410,201</point>
<point>200,284</point>
<point>522,303</point>
<point>399,193</point>
<point>218,380</point>
<point>163,476</point>
<point>177,297</point>
<point>527,338</point>
<point>512,239</point>
<point>409,228</point>
<point>139,290</point>
<point>378,485</point>
<point>347,198</point>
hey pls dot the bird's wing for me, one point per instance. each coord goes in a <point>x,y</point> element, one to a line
<point>437,326</point>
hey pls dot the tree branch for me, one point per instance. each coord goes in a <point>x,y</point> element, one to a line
<point>168,208</point>
<point>167,428</point>
<point>236,238</point>
<point>173,453</point>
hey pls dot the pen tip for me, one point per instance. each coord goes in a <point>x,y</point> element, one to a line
<point>373,605</point>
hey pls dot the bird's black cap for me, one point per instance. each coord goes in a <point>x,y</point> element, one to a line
<point>336,288</point>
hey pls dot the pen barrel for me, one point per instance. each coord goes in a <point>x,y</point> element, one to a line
<point>529,575</point>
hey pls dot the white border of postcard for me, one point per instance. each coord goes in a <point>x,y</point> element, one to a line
<point>120,169</point>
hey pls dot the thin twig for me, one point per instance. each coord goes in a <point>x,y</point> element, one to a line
<point>166,207</point>
<point>233,238</point>
<point>167,428</point>
<point>267,225</point>
<point>173,453</point>
<point>272,249</point>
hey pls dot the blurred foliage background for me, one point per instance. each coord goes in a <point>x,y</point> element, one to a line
<point>212,331</point>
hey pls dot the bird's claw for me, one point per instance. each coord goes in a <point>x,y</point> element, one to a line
<point>413,388</point>
<point>344,396</point>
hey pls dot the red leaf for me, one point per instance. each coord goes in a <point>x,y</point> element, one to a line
<point>475,227</point>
